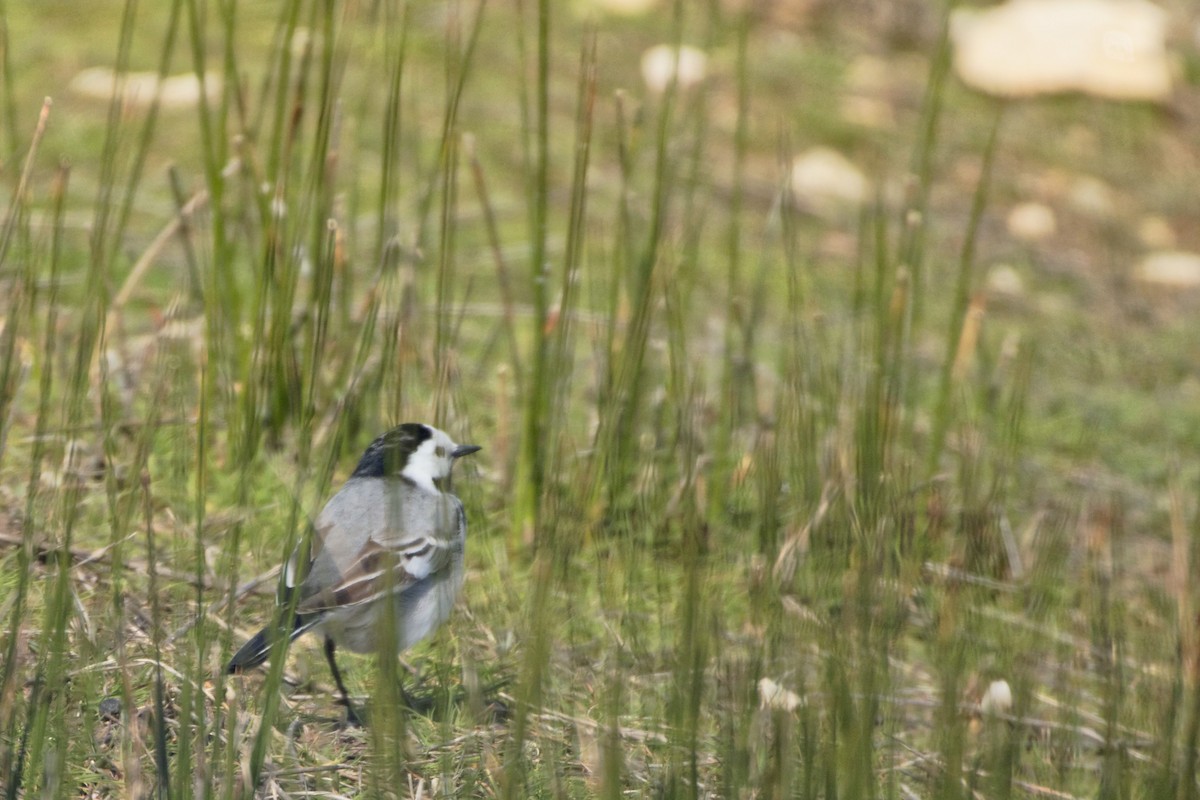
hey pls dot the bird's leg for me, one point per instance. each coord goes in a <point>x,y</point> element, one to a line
<point>351,716</point>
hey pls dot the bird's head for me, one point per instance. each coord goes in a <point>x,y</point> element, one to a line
<point>419,453</point>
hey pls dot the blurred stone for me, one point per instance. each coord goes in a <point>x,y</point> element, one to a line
<point>1031,222</point>
<point>1003,280</point>
<point>686,66</point>
<point>825,181</point>
<point>1155,232</point>
<point>98,83</point>
<point>1092,197</point>
<point>620,8</point>
<point>1176,269</point>
<point>185,91</point>
<point>138,89</point>
<point>776,698</point>
<point>1109,48</point>
<point>997,699</point>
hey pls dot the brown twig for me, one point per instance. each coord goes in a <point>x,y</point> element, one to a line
<point>83,557</point>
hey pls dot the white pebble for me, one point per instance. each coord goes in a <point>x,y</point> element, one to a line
<point>623,8</point>
<point>773,696</point>
<point>1003,280</point>
<point>685,66</point>
<point>1109,48</point>
<point>1032,222</point>
<point>1175,269</point>
<point>824,180</point>
<point>138,89</point>
<point>997,699</point>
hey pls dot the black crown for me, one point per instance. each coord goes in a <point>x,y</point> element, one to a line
<point>389,453</point>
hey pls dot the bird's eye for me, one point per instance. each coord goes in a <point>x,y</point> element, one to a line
<point>440,452</point>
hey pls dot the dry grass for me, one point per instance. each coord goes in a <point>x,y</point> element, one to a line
<point>768,499</point>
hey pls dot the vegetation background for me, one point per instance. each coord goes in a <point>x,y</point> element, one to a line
<point>772,492</point>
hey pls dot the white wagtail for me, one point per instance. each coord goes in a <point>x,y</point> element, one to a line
<point>394,532</point>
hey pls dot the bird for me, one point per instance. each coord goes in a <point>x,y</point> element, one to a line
<point>394,532</point>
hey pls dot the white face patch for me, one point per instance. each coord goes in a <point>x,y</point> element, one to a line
<point>431,461</point>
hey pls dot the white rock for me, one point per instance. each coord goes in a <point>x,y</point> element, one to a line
<point>1031,222</point>
<point>1175,269</point>
<point>773,696</point>
<point>186,91</point>
<point>824,180</point>
<point>138,89</point>
<point>98,83</point>
<point>1003,280</point>
<point>1110,48</point>
<point>997,699</point>
<point>662,64</point>
<point>622,8</point>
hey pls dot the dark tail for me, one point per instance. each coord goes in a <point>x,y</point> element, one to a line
<point>255,651</point>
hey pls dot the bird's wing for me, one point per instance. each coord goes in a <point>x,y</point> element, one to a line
<point>378,570</point>
<point>375,537</point>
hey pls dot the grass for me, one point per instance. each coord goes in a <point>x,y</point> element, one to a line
<point>716,459</point>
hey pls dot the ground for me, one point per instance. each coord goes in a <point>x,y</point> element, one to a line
<point>775,486</point>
